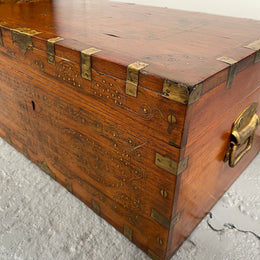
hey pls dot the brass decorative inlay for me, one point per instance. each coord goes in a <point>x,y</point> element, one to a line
<point>153,255</point>
<point>68,186</point>
<point>95,207</point>
<point>232,70</point>
<point>1,38</point>
<point>256,47</point>
<point>170,165</point>
<point>242,133</point>
<point>86,62</point>
<point>51,49</point>
<point>162,220</point>
<point>132,78</point>
<point>128,232</point>
<point>43,166</point>
<point>180,93</point>
<point>23,38</point>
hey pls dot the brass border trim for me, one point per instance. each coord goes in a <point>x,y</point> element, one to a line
<point>86,62</point>
<point>51,49</point>
<point>232,70</point>
<point>132,77</point>
<point>169,165</point>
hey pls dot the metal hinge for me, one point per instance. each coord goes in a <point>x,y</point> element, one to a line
<point>132,78</point>
<point>51,49</point>
<point>181,93</point>
<point>170,165</point>
<point>256,47</point>
<point>232,70</point>
<point>86,62</point>
<point>23,38</point>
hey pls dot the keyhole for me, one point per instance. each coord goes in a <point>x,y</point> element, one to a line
<point>33,105</point>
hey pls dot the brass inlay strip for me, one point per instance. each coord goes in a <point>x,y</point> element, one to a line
<point>43,166</point>
<point>170,165</point>
<point>132,78</point>
<point>128,232</point>
<point>51,49</point>
<point>180,93</point>
<point>86,62</point>
<point>23,38</point>
<point>95,207</point>
<point>153,255</point>
<point>232,70</point>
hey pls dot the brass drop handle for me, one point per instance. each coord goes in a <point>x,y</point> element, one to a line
<point>242,133</point>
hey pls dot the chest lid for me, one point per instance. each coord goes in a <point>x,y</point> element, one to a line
<point>160,49</point>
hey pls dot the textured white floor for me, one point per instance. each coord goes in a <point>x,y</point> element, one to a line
<point>39,219</point>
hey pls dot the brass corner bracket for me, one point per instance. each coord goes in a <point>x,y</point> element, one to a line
<point>23,38</point>
<point>132,78</point>
<point>232,70</point>
<point>181,93</point>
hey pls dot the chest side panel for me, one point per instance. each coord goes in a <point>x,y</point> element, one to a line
<point>208,175</point>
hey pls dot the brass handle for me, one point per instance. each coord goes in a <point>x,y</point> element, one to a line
<point>242,133</point>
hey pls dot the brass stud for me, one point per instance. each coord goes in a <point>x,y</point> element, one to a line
<point>107,96</point>
<point>112,95</point>
<point>111,84</point>
<point>103,81</point>
<point>108,90</point>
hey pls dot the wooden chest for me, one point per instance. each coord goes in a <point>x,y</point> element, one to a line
<point>145,114</point>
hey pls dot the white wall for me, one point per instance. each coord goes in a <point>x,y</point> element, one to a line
<point>236,8</point>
